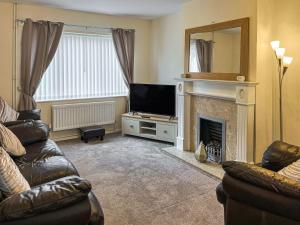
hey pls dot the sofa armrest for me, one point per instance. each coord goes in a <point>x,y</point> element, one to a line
<point>263,178</point>
<point>31,131</point>
<point>260,199</point>
<point>44,198</point>
<point>34,114</point>
<point>221,196</point>
<point>279,155</point>
<point>16,122</point>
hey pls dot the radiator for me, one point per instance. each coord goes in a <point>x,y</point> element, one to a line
<point>70,116</point>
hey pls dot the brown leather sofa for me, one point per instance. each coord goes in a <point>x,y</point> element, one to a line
<point>58,195</point>
<point>257,194</point>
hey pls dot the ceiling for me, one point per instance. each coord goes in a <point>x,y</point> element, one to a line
<point>147,9</point>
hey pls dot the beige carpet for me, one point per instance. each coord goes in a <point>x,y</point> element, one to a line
<point>138,184</point>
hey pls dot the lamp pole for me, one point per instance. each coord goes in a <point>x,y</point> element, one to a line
<point>280,100</point>
<point>283,64</point>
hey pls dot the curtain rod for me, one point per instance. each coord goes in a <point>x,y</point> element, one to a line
<point>82,26</point>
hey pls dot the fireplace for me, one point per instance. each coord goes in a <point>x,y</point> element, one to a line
<point>212,133</point>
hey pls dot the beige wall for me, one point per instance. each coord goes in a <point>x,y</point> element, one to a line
<point>167,48</point>
<point>142,50</point>
<point>286,19</point>
<point>6,50</point>
<point>265,68</point>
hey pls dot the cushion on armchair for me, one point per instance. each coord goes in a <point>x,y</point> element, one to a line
<point>263,178</point>
<point>292,171</point>
<point>279,155</point>
<point>47,197</point>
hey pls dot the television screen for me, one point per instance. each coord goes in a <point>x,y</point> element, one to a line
<point>153,99</point>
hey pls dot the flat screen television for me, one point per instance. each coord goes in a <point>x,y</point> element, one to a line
<point>153,99</point>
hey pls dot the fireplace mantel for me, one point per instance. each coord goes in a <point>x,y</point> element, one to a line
<point>242,93</point>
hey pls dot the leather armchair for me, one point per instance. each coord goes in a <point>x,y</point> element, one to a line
<point>257,195</point>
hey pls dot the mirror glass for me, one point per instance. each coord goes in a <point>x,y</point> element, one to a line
<point>215,52</point>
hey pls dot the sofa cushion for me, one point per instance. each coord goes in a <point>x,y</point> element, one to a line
<point>6,112</point>
<point>10,142</point>
<point>11,180</point>
<point>48,169</point>
<point>39,151</point>
<point>279,155</point>
<point>30,132</point>
<point>33,114</point>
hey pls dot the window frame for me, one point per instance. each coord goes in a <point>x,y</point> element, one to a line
<point>84,98</point>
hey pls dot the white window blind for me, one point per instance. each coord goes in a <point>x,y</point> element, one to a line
<point>194,64</point>
<point>84,66</point>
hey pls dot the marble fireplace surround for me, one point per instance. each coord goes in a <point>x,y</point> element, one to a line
<point>231,101</point>
<point>215,109</point>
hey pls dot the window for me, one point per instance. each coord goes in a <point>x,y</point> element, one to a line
<point>84,66</point>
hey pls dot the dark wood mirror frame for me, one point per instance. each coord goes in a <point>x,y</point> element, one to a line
<point>244,56</point>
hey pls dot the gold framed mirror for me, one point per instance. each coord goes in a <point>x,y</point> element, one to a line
<point>218,51</point>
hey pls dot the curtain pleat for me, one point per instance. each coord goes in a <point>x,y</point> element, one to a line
<point>39,43</point>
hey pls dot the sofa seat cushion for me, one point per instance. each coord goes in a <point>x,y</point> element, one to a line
<point>39,151</point>
<point>46,170</point>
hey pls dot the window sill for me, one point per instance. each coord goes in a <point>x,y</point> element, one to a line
<point>78,99</point>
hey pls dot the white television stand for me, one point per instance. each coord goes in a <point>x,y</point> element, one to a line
<point>158,128</point>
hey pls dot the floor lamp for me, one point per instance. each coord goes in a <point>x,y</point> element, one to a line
<point>283,64</point>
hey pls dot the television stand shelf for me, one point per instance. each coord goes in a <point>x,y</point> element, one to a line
<point>158,128</point>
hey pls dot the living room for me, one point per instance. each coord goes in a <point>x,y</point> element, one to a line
<point>73,70</point>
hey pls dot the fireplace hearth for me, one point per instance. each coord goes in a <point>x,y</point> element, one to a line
<point>211,132</point>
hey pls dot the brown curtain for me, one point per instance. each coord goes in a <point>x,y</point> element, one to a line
<point>124,45</point>
<point>39,43</point>
<point>204,51</point>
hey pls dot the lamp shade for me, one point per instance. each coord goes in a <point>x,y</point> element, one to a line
<point>280,52</point>
<point>275,44</point>
<point>287,61</point>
